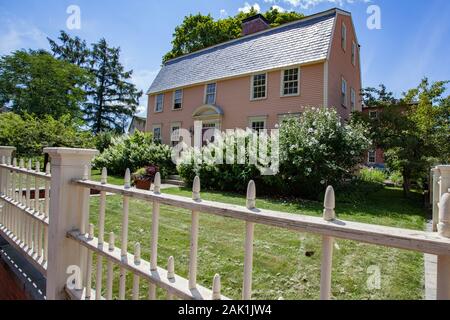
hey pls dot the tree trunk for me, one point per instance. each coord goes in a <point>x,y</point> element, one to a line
<point>406,183</point>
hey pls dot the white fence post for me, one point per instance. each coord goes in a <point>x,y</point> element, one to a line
<point>327,247</point>
<point>5,152</point>
<point>435,195</point>
<point>66,210</point>
<point>443,262</point>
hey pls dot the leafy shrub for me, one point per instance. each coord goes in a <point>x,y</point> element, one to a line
<point>30,134</point>
<point>396,178</point>
<point>135,151</point>
<point>315,151</point>
<point>103,140</point>
<point>372,175</point>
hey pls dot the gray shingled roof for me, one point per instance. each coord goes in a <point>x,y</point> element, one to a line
<point>295,43</point>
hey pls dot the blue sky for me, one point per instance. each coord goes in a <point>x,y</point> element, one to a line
<point>413,42</point>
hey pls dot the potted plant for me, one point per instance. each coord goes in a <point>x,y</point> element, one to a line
<point>143,178</point>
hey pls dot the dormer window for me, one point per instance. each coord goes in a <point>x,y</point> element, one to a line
<point>210,93</point>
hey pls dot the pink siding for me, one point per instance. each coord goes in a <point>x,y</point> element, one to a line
<point>233,96</point>
<point>340,65</point>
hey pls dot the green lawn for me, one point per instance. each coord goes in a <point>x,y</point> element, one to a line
<point>286,263</point>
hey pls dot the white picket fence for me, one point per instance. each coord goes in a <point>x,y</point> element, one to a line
<point>54,234</point>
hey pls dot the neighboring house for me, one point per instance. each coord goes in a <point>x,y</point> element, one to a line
<point>375,157</point>
<point>137,123</point>
<point>261,78</point>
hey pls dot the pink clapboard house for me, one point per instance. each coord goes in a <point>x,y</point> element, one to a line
<point>261,78</point>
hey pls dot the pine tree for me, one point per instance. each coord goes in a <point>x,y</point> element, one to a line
<point>111,97</point>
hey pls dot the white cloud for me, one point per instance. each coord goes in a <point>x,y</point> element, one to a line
<point>307,4</point>
<point>247,7</point>
<point>18,34</point>
<point>223,13</point>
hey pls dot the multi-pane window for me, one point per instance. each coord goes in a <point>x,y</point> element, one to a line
<point>353,99</point>
<point>344,93</point>
<point>344,37</point>
<point>373,114</point>
<point>210,96</point>
<point>259,86</point>
<point>354,48</point>
<point>177,99</point>
<point>175,135</point>
<point>157,134</point>
<point>372,156</point>
<point>258,125</point>
<point>159,103</point>
<point>290,82</point>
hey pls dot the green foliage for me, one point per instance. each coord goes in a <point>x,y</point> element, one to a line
<point>198,31</point>
<point>104,140</point>
<point>372,175</point>
<point>413,131</point>
<point>314,152</point>
<point>135,151</point>
<point>112,98</point>
<point>30,134</point>
<point>36,83</point>
<point>396,178</point>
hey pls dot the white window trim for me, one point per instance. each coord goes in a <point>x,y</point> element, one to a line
<point>354,51</point>
<point>157,126</point>
<point>173,99</point>
<point>345,104</point>
<point>282,82</point>
<point>257,119</point>
<point>353,99</point>
<point>156,103</point>
<point>376,114</point>
<point>344,45</point>
<point>206,90</point>
<point>374,155</point>
<point>252,87</point>
<point>172,125</point>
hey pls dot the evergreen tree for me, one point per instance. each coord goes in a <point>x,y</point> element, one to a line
<point>112,97</point>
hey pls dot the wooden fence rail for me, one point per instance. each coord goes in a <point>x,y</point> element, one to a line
<point>54,233</point>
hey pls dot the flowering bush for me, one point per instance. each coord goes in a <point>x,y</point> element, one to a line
<point>315,151</point>
<point>135,151</point>
<point>318,150</point>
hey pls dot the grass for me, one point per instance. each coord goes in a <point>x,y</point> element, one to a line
<point>286,263</point>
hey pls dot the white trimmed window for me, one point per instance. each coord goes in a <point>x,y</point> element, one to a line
<point>290,84</point>
<point>259,86</point>
<point>354,50</point>
<point>210,93</point>
<point>159,105</point>
<point>258,123</point>
<point>344,37</point>
<point>175,133</point>
<point>353,99</point>
<point>344,93</point>
<point>373,114</point>
<point>157,136</point>
<point>372,157</point>
<point>177,99</point>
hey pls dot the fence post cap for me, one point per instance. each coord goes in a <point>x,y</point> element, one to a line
<point>251,195</point>
<point>444,169</point>
<point>196,188</point>
<point>329,204</point>
<point>7,148</point>
<point>70,156</point>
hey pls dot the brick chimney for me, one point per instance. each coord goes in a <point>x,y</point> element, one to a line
<point>254,24</point>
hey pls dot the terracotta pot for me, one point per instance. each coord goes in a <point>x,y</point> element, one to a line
<point>142,184</point>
